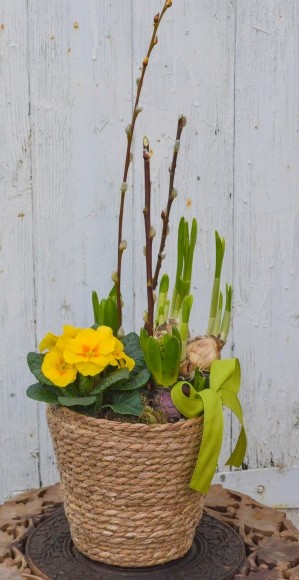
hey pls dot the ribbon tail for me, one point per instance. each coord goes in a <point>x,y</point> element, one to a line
<point>230,400</point>
<point>211,441</point>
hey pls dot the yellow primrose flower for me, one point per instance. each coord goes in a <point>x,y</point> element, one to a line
<point>123,359</point>
<point>51,339</point>
<point>57,369</point>
<point>48,342</point>
<point>91,350</point>
<point>68,332</point>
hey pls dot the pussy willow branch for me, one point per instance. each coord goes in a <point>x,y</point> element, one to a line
<point>149,234</point>
<point>153,42</point>
<point>171,195</point>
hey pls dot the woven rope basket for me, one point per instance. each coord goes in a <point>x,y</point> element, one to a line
<point>125,486</point>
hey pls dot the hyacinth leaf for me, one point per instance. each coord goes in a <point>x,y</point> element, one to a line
<point>199,382</point>
<point>42,393</point>
<point>220,250</point>
<point>217,325</point>
<point>226,322</point>
<point>171,361</point>
<point>223,390</point>
<point>75,401</point>
<point>162,299</point>
<point>134,383</point>
<point>96,307</point>
<point>190,254</point>
<point>125,403</point>
<point>155,358</point>
<point>111,380</point>
<point>35,361</point>
<point>111,315</point>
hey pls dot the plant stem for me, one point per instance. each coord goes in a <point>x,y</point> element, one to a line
<point>171,196</point>
<point>149,324</point>
<point>153,42</point>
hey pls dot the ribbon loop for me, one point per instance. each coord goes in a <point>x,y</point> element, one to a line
<point>224,386</point>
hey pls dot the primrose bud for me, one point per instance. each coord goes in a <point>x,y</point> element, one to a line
<point>114,277</point>
<point>139,108</point>
<point>129,130</point>
<point>123,245</point>
<point>145,61</point>
<point>174,193</point>
<point>145,316</point>
<point>152,232</point>
<point>176,147</point>
<point>123,187</point>
<point>183,120</point>
<point>144,250</point>
<point>121,332</point>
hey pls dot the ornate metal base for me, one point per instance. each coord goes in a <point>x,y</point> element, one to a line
<point>217,553</point>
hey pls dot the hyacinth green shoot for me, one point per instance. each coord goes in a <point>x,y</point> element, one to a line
<point>185,253</point>
<point>220,250</point>
<point>162,307</point>
<point>226,322</point>
<point>184,324</point>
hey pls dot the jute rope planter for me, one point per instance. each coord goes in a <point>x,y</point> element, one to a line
<point>126,486</point>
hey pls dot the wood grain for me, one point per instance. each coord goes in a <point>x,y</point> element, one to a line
<point>67,80</point>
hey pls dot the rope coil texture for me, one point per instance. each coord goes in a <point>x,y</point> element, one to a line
<point>126,486</point>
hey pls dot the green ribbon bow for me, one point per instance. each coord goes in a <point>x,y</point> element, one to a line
<point>224,386</point>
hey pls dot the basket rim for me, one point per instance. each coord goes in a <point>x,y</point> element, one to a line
<point>96,421</point>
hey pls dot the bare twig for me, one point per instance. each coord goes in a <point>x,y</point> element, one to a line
<point>130,131</point>
<point>149,234</point>
<point>171,196</point>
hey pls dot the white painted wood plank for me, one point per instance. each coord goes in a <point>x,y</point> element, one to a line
<point>274,487</point>
<point>18,424</point>
<point>192,72</point>
<point>266,256</point>
<point>81,91</point>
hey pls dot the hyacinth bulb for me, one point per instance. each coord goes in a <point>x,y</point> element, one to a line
<point>200,353</point>
<point>162,402</point>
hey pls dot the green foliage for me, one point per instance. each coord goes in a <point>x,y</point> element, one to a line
<point>117,389</point>
<point>105,312</point>
<point>125,403</point>
<point>42,393</point>
<point>35,361</point>
<point>162,356</point>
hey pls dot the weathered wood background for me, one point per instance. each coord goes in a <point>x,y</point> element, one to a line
<point>67,80</point>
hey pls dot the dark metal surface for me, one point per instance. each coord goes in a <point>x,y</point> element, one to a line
<point>216,554</point>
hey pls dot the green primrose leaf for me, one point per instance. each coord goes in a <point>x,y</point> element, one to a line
<point>112,379</point>
<point>133,349</point>
<point>125,403</point>
<point>43,393</point>
<point>73,401</point>
<point>134,383</point>
<point>35,361</point>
